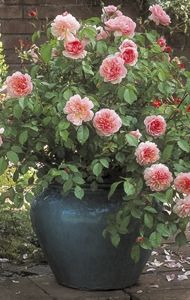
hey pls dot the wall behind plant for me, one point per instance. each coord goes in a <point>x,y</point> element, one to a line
<point>16,24</point>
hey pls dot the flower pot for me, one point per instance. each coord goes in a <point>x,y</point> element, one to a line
<point>70,233</point>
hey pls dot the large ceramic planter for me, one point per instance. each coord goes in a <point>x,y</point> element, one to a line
<point>70,233</point>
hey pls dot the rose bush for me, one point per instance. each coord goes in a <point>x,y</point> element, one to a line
<point>104,104</point>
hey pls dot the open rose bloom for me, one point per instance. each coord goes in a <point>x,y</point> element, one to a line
<point>104,102</point>
<point>19,85</point>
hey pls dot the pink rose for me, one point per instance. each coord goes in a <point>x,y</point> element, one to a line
<point>182,183</point>
<point>126,44</point>
<point>112,69</point>
<point>65,27</point>
<point>136,134</point>
<point>159,16</point>
<point>102,34</point>
<point>130,56</point>
<point>75,49</point>
<point>155,125</point>
<point>121,25</point>
<point>110,11</point>
<point>107,122</point>
<point>162,43</point>
<point>19,85</point>
<point>79,110</point>
<point>158,177</point>
<point>182,207</point>
<point>147,153</point>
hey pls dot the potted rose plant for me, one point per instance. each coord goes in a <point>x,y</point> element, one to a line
<point>101,121</point>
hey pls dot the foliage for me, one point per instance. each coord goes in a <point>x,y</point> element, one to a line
<point>3,67</point>
<point>40,141</point>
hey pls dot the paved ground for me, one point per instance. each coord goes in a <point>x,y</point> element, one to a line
<point>166,277</point>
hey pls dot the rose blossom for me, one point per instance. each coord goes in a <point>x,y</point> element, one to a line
<point>147,153</point>
<point>79,110</point>
<point>162,43</point>
<point>19,85</point>
<point>159,16</point>
<point>182,183</point>
<point>155,125</point>
<point>121,25</point>
<point>65,27</point>
<point>111,10</point>
<point>107,122</point>
<point>112,69</point>
<point>182,207</point>
<point>136,134</point>
<point>75,49</point>
<point>158,177</point>
<point>130,56</point>
<point>102,34</point>
<point>126,44</point>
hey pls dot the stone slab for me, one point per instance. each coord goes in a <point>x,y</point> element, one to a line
<point>59,292</point>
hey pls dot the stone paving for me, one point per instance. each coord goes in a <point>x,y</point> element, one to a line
<point>166,277</point>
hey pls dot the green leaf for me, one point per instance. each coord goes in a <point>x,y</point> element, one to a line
<point>104,162</point>
<point>3,165</point>
<point>115,239</point>
<point>79,192</point>
<point>166,154</point>
<point>87,68</point>
<point>184,145</point>
<point>120,157</point>
<point>97,169</point>
<point>155,239</point>
<point>129,96</point>
<point>101,47</point>
<point>13,157</point>
<point>78,180</point>
<point>163,230</point>
<point>45,51</point>
<point>181,239</point>
<point>67,186</point>
<point>129,188</point>
<point>82,134</point>
<point>150,209</point>
<point>23,137</point>
<point>63,125</point>
<point>132,141</point>
<point>136,213</point>
<point>135,253</point>
<point>113,188</point>
<point>17,111</point>
<point>148,220</point>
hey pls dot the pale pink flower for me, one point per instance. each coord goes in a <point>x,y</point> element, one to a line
<point>107,122</point>
<point>159,16</point>
<point>182,183</point>
<point>147,153</point>
<point>130,56</point>
<point>158,177</point>
<point>78,110</point>
<point>155,125</point>
<point>126,44</point>
<point>112,69</point>
<point>182,207</point>
<point>75,49</point>
<point>19,85</point>
<point>102,34</point>
<point>111,11</point>
<point>121,25</point>
<point>65,27</point>
<point>136,134</point>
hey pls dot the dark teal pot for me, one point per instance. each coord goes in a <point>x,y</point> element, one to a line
<point>70,233</point>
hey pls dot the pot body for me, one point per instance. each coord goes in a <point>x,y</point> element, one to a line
<point>70,234</point>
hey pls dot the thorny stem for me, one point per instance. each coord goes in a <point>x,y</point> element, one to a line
<point>173,114</point>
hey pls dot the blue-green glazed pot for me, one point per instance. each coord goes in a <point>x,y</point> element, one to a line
<point>70,234</point>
